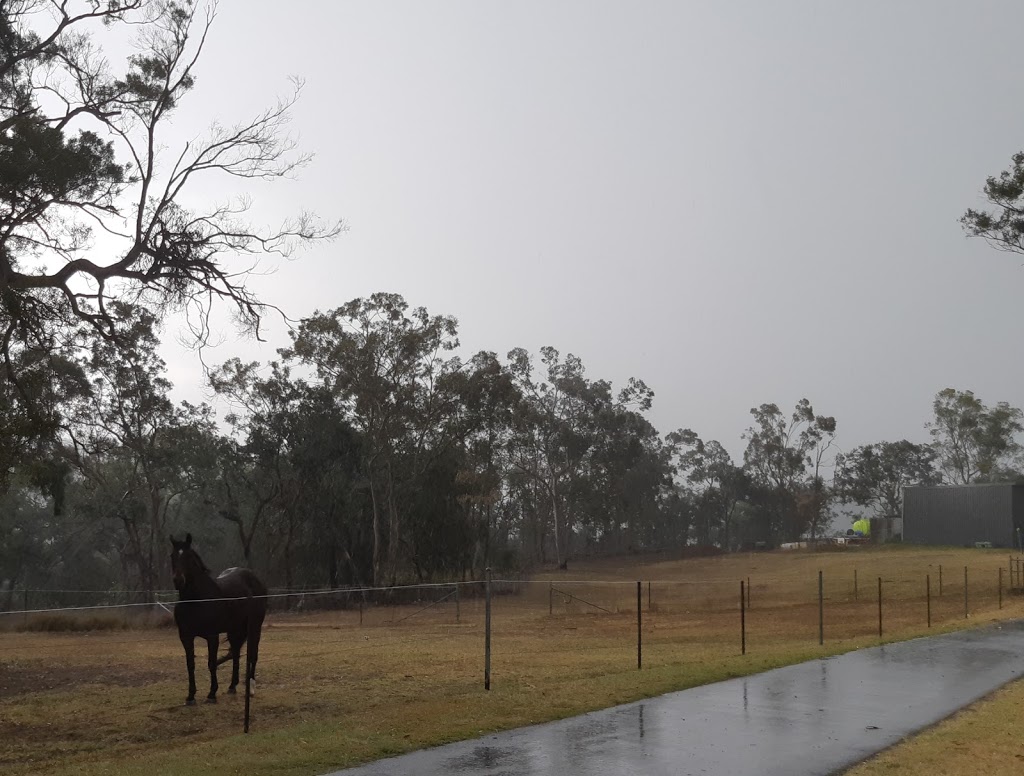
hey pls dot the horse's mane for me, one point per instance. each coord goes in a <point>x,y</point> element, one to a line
<point>202,564</point>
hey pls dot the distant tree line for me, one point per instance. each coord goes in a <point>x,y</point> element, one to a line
<point>369,453</point>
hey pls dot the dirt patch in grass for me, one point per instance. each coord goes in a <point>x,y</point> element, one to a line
<point>24,677</point>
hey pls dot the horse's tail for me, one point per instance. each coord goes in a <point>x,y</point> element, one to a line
<point>258,591</point>
<point>255,583</point>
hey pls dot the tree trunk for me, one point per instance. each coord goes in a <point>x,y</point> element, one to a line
<point>332,564</point>
<point>487,539</point>
<point>377,554</point>
<point>553,493</point>
<point>393,538</point>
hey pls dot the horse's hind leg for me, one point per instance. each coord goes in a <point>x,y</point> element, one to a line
<point>236,640</point>
<point>252,649</point>
<point>212,643</point>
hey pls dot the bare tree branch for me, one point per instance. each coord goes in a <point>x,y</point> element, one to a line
<point>65,118</point>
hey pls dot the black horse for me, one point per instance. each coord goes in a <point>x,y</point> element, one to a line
<point>234,603</point>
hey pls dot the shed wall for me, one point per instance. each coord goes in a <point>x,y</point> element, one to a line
<point>962,515</point>
<point>1018,518</point>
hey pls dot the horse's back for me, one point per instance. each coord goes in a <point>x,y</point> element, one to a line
<point>242,583</point>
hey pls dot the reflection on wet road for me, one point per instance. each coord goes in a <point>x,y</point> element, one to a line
<point>813,718</point>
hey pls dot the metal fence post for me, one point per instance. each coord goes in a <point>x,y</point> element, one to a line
<point>249,667</point>
<point>458,613</point>
<point>965,592</point>
<point>24,604</point>
<point>248,686</point>
<point>879,607</point>
<point>928,596</point>
<point>551,598</point>
<point>1000,587</point>
<point>940,580</point>
<point>648,595</point>
<point>743,620</point>
<point>821,609</point>
<point>639,627</point>
<point>487,633</point>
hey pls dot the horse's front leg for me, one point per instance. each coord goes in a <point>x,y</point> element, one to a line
<point>212,643</point>
<point>188,642</point>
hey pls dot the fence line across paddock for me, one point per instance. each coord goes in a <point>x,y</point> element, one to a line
<point>166,597</point>
<point>169,596</point>
<point>320,590</point>
<point>669,596</point>
<point>515,625</point>
<point>267,596</point>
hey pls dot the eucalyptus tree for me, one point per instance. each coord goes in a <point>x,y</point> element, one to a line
<point>138,451</point>
<point>52,550</point>
<point>557,432</point>
<point>551,435</point>
<point>287,470</point>
<point>1002,226</point>
<point>25,532</point>
<point>391,370</point>
<point>717,484</point>
<point>875,475</point>
<point>784,460</point>
<point>249,479</point>
<point>30,429</point>
<point>325,502</point>
<point>975,442</point>
<point>490,402</point>
<point>620,489</point>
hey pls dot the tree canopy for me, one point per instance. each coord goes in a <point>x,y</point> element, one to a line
<point>95,207</point>
<point>1003,226</point>
<point>975,442</point>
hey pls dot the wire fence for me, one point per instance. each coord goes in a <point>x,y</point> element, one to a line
<point>466,635</point>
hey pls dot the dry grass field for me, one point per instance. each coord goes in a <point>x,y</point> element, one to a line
<point>334,692</point>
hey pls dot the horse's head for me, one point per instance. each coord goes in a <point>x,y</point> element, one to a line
<point>186,565</point>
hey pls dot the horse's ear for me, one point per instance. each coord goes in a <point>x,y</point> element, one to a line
<point>188,540</point>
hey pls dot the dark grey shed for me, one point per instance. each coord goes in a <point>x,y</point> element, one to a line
<point>963,515</point>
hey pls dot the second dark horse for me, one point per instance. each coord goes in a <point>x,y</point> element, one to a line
<point>234,603</point>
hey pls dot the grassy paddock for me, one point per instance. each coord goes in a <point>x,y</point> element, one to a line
<point>334,692</point>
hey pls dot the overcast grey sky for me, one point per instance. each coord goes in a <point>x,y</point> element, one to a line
<point>737,202</point>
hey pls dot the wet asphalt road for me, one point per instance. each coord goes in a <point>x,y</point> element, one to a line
<point>817,717</point>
